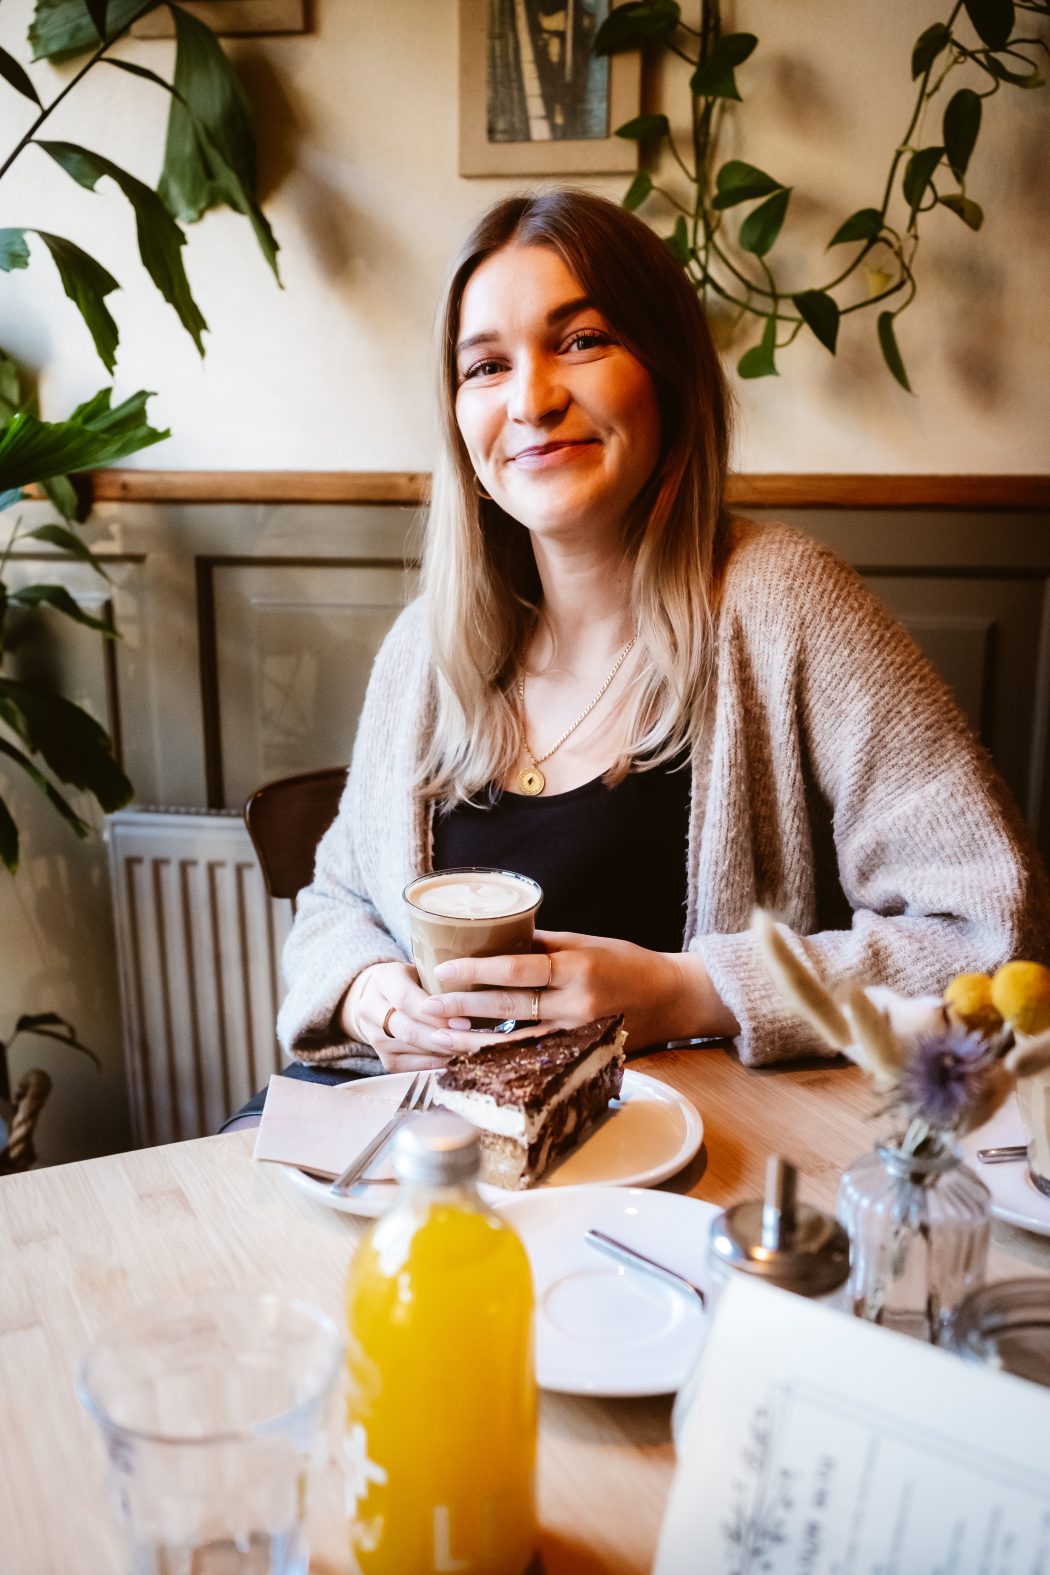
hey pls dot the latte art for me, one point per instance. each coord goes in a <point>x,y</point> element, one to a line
<point>480,897</point>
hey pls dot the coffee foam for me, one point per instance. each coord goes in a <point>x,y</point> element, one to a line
<point>473,897</point>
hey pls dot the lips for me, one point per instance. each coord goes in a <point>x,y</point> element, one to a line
<point>541,455</point>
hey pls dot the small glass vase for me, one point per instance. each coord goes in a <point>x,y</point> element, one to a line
<point>918,1228</point>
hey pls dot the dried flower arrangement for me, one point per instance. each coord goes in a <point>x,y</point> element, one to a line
<point>942,1072</point>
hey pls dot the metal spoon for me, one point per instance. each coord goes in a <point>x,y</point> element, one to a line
<point>638,1260</point>
<point>999,1156</point>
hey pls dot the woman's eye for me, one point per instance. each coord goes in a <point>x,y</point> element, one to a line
<point>483,369</point>
<point>587,339</point>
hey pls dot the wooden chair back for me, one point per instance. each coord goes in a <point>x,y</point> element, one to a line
<point>286,820</point>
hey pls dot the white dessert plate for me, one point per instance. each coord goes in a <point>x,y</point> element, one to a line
<point>603,1329</point>
<point>651,1131</point>
<point>1014,1197</point>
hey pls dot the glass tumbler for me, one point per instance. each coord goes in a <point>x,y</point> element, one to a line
<point>212,1410</point>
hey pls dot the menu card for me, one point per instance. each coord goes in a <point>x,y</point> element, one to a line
<point>822,1445</point>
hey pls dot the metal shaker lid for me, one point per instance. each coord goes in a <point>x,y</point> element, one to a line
<point>437,1148</point>
<point>782,1241</point>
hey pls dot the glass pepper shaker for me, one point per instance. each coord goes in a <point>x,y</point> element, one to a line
<point>776,1239</point>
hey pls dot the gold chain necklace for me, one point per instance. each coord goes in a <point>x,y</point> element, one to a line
<point>531,780</point>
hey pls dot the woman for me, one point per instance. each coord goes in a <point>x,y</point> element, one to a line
<point>663,715</point>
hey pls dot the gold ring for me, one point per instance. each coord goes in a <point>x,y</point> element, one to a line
<point>535,1006</point>
<point>386,1021</point>
<point>550,971</point>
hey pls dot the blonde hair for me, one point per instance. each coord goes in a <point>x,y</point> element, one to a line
<point>480,580</point>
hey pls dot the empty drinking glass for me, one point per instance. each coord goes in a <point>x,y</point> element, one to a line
<point>212,1410</point>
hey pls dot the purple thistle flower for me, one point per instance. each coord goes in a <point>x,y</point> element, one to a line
<point>946,1077</point>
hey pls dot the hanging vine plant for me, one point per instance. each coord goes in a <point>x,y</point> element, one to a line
<point>993,38</point>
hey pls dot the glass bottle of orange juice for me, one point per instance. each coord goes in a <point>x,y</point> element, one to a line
<point>441,1406</point>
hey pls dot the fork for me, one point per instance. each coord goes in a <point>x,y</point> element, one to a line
<point>415,1095</point>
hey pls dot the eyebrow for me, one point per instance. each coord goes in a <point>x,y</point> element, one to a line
<point>579,303</point>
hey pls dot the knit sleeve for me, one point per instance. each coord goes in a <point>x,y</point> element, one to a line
<point>933,857</point>
<point>338,931</point>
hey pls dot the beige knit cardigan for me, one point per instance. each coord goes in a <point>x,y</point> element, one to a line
<point>834,782</point>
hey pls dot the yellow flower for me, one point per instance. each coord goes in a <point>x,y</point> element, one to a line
<point>969,997</point>
<point>1021,994</point>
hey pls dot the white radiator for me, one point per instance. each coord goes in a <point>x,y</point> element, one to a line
<point>198,947</point>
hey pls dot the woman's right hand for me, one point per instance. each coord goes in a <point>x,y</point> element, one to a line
<point>387,1012</point>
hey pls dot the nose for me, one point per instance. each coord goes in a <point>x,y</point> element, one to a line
<point>537,391</point>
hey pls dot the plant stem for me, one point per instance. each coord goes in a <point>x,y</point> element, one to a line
<point>30,136</point>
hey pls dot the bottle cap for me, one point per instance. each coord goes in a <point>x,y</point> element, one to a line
<point>782,1241</point>
<point>437,1148</point>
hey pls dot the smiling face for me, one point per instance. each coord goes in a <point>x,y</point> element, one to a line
<point>559,419</point>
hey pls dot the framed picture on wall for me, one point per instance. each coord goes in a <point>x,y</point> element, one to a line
<point>532,98</point>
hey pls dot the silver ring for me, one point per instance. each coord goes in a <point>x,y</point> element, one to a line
<point>535,1006</point>
<point>386,1021</point>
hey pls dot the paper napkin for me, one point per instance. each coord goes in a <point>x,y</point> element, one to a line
<point>320,1128</point>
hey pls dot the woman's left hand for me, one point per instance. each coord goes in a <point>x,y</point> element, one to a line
<point>576,978</point>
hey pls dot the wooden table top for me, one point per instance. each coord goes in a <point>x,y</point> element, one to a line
<point>81,1242</point>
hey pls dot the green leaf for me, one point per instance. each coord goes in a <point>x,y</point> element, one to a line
<point>61,28</point>
<point>993,21</point>
<point>762,225</point>
<point>96,9</point>
<point>638,190</point>
<point>86,283</point>
<point>93,435</point>
<point>44,1023</point>
<point>71,742</point>
<point>864,225</point>
<point>209,157</point>
<point>820,312</point>
<point>14,253</point>
<point>758,361</point>
<point>918,172</point>
<point>928,46</point>
<point>69,542</point>
<point>10,394</point>
<point>638,22</point>
<point>58,597</point>
<point>1031,79</point>
<point>18,78</point>
<point>61,492</point>
<point>740,182</point>
<point>969,212</point>
<point>56,799</point>
<point>716,77</point>
<point>962,122</point>
<point>677,242</point>
<point>890,353</point>
<point>160,239</point>
<point>8,838</point>
<point>644,127</point>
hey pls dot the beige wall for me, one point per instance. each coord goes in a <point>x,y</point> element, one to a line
<point>358,133</point>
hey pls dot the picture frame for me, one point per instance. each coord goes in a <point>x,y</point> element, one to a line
<point>230,17</point>
<point>524,87</point>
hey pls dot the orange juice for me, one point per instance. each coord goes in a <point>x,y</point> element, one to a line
<point>441,1407</point>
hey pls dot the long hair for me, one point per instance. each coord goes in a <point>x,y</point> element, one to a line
<point>480,579</point>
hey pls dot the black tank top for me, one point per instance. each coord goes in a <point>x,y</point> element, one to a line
<point>611,861</point>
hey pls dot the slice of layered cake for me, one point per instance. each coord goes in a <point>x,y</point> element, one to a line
<point>535,1099</point>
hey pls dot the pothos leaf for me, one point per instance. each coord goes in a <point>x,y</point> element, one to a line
<point>993,21</point>
<point>762,226</point>
<point>716,77</point>
<point>927,47</point>
<point>636,23</point>
<point>864,225</point>
<point>820,312</point>
<point>759,360</point>
<point>638,190</point>
<point>962,122</point>
<point>890,353</point>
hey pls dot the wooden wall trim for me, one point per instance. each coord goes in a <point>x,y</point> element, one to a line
<point>756,491</point>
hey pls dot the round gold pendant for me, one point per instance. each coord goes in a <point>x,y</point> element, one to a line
<point>532,780</point>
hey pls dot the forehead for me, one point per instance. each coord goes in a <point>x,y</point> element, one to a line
<point>514,288</point>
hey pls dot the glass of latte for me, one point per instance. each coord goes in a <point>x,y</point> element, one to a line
<point>469,913</point>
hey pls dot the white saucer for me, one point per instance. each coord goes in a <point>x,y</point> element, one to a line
<point>1014,1197</point>
<point>651,1131</point>
<point>603,1329</point>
